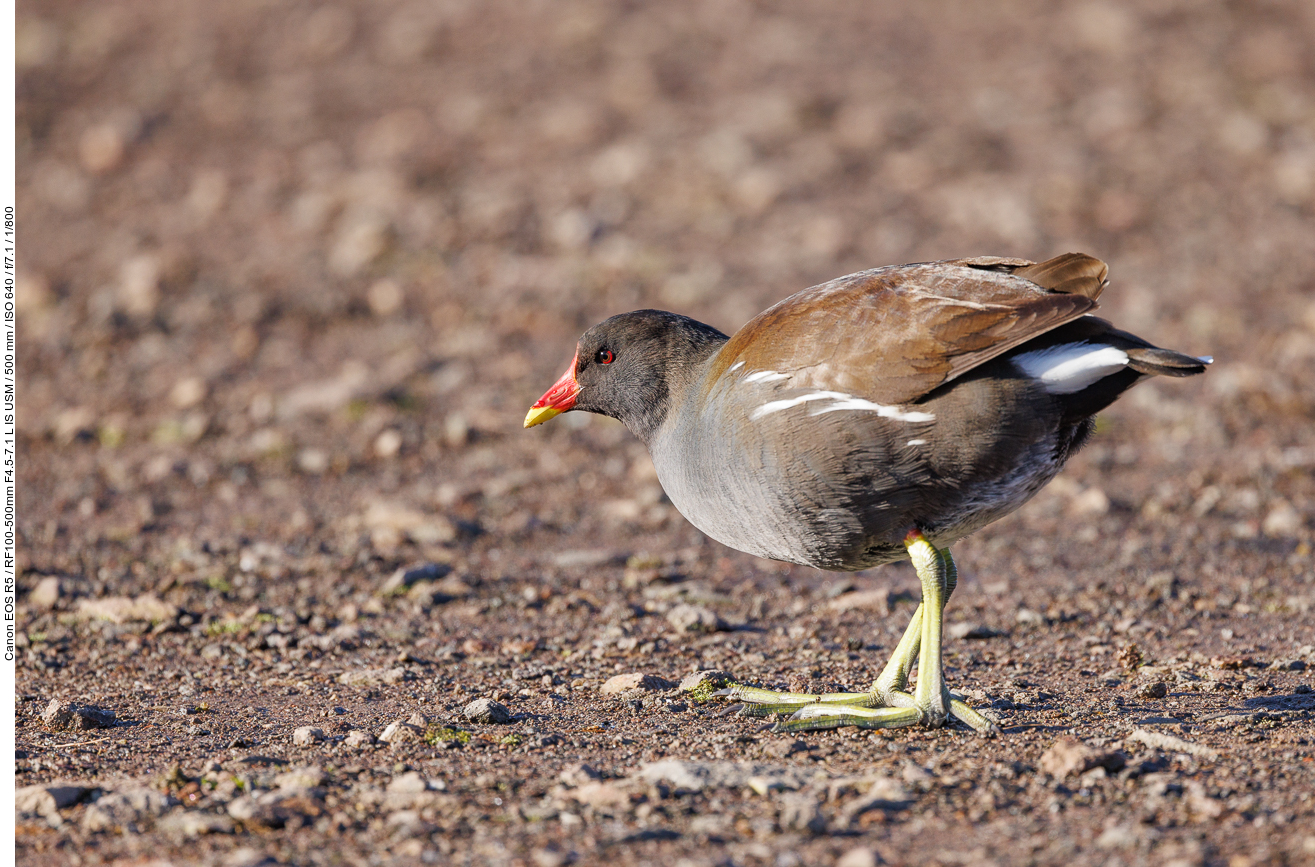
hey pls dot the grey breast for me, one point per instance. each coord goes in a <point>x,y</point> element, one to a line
<point>802,482</point>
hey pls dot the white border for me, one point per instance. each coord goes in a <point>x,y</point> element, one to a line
<point>8,445</point>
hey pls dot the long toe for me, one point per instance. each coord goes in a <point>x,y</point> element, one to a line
<point>814,717</point>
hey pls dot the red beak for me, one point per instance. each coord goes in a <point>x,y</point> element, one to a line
<point>557,399</point>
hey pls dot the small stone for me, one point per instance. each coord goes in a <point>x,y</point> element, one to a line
<point>187,824</point>
<point>122,609</point>
<point>313,461</point>
<point>305,777</point>
<point>601,795</point>
<point>139,286</point>
<point>357,738</point>
<point>1069,756</point>
<point>305,736</point>
<point>1153,690</point>
<point>486,710</point>
<point>188,392</point>
<point>126,810</point>
<point>860,857</point>
<point>972,631</point>
<point>408,783</point>
<point>1117,837</point>
<point>862,600</point>
<point>705,681</point>
<point>46,800</point>
<point>246,856</point>
<point>403,579</point>
<point>46,594</point>
<point>551,858</point>
<point>371,676</point>
<point>385,297</point>
<point>1282,520</point>
<point>578,775</point>
<point>67,716</point>
<point>401,733</point>
<point>623,683</point>
<point>801,812</point>
<point>388,444</point>
<point>694,618</point>
<point>783,748</point>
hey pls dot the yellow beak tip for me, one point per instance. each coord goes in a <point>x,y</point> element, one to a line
<point>540,414</point>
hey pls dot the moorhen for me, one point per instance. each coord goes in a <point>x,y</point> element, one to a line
<point>879,416</point>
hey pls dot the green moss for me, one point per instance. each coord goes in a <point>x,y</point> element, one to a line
<point>703,693</point>
<point>436,734</point>
<point>510,741</point>
<point>218,582</point>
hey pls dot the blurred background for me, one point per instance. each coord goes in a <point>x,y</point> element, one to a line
<point>281,258</point>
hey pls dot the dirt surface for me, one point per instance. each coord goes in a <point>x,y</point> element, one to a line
<point>293,272</point>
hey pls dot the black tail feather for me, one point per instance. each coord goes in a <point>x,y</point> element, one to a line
<point>1165,362</point>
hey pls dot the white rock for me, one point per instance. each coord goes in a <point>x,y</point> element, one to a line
<point>47,800</point>
<point>305,736</point>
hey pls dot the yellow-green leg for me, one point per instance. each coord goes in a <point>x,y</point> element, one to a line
<point>888,704</point>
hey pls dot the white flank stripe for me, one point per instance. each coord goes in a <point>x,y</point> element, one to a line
<point>736,366</point>
<point>916,443</point>
<point>1071,367</point>
<point>765,376</point>
<point>842,402</point>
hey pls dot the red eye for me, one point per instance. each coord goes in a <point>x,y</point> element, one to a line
<point>604,356</point>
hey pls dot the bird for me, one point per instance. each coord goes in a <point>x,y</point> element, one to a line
<point>881,416</point>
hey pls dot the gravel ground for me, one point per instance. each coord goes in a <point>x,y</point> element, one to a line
<point>296,587</point>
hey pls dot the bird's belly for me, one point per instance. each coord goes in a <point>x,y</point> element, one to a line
<point>793,516</point>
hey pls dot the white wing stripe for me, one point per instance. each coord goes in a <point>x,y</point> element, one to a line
<point>842,402</point>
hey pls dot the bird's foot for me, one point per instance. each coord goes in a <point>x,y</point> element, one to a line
<point>870,710</point>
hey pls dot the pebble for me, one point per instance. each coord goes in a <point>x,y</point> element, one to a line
<point>1071,757</point>
<point>67,716</point>
<point>486,710</point>
<point>859,857</point>
<point>705,679</point>
<point>304,777</point>
<point>862,600</point>
<point>372,676</point>
<point>577,775</point>
<point>405,578</point>
<point>122,609</point>
<point>357,738</point>
<point>278,808</point>
<point>601,795</point>
<point>408,783</point>
<point>623,683</point>
<point>1161,741</point>
<point>187,824</point>
<point>46,594</point>
<point>139,286</point>
<point>101,148</point>
<point>247,857</point>
<point>960,631</point>
<point>48,800</point>
<point>305,736</point>
<point>694,618</point>
<point>801,812</point>
<point>126,810</point>
<point>401,733</point>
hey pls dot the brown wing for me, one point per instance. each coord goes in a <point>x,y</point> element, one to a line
<point>893,334</point>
